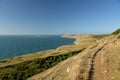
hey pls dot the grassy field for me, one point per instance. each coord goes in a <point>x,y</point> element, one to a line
<point>81,66</point>
<point>23,67</point>
<point>26,69</point>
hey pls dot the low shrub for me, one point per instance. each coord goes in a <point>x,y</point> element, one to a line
<point>100,36</point>
<point>116,32</point>
<point>24,70</point>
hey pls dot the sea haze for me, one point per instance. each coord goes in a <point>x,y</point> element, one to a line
<point>11,46</point>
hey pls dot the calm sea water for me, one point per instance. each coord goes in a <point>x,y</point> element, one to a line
<point>11,46</point>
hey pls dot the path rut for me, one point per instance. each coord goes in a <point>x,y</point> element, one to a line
<point>96,72</point>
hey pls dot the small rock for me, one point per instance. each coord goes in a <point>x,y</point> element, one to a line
<point>105,70</point>
<point>68,69</point>
<point>75,57</point>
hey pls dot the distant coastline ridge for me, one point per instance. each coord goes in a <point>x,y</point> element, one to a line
<point>72,36</point>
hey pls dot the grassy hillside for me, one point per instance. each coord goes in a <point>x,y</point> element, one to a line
<point>116,32</point>
<point>26,69</point>
<point>91,57</point>
<point>99,61</point>
<point>74,68</point>
<point>23,67</point>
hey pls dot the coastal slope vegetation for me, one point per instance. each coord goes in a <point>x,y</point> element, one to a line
<point>91,57</point>
<point>23,67</point>
<point>99,61</point>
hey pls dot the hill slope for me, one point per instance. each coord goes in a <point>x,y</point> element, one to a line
<point>23,67</point>
<point>116,32</point>
<point>92,57</point>
<point>100,61</point>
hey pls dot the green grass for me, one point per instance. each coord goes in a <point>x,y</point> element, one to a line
<point>26,69</point>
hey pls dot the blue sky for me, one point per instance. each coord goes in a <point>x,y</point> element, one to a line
<point>52,17</point>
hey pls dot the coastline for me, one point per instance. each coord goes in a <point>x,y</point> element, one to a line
<point>64,48</point>
<point>78,37</point>
<point>72,36</point>
<point>58,55</point>
<point>78,44</point>
<point>72,59</point>
<point>40,54</point>
<point>43,50</point>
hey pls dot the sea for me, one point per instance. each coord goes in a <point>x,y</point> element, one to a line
<point>11,46</point>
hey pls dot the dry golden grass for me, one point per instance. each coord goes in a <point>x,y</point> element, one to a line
<point>111,58</point>
<point>78,67</point>
<point>85,41</point>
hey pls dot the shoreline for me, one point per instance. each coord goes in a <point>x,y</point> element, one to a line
<point>74,43</point>
<point>78,44</point>
<point>40,54</point>
<point>75,36</point>
<point>31,61</point>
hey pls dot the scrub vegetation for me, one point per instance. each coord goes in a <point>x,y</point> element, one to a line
<point>26,66</point>
<point>24,70</point>
<point>116,32</point>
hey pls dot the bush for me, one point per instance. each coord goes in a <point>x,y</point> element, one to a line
<point>116,32</point>
<point>100,36</point>
<point>26,69</point>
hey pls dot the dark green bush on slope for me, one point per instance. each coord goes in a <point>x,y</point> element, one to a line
<point>24,70</point>
<point>116,32</point>
<point>100,36</point>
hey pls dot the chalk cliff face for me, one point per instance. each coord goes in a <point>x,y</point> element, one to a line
<point>99,61</point>
<point>92,57</point>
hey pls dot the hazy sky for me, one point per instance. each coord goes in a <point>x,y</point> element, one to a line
<point>42,17</point>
